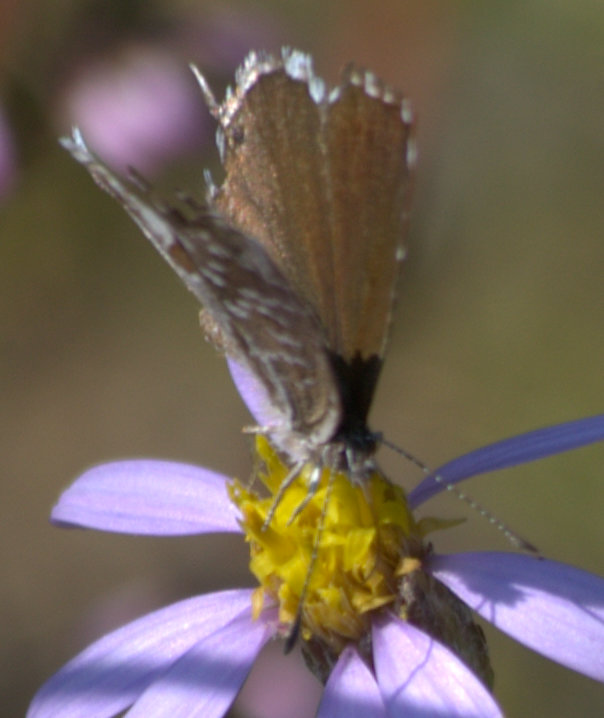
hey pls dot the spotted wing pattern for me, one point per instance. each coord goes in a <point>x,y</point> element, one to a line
<point>265,326</point>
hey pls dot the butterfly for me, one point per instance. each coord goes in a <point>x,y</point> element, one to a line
<point>295,257</point>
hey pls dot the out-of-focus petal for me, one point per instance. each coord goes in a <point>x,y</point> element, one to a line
<point>555,609</point>
<point>419,677</point>
<point>299,690</point>
<point>206,680</point>
<point>139,107</point>
<point>148,497</point>
<point>8,156</point>
<point>351,691</point>
<point>511,452</point>
<point>110,674</point>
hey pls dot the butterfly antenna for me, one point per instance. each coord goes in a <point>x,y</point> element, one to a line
<point>410,457</point>
<point>208,95</point>
<point>292,636</point>
<point>514,538</point>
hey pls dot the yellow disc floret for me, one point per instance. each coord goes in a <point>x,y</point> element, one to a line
<point>345,550</point>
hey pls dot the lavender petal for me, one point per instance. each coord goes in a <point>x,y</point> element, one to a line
<point>206,680</point>
<point>148,497</point>
<point>351,691</point>
<point>419,677</point>
<point>555,609</point>
<point>109,675</point>
<point>511,452</point>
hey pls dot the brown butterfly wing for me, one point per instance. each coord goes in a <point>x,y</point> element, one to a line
<point>322,179</point>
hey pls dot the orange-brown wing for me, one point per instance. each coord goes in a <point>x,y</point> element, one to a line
<point>322,179</point>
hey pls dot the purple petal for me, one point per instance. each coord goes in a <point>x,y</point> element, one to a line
<point>138,108</point>
<point>110,674</point>
<point>351,691</point>
<point>148,497</point>
<point>555,609</point>
<point>419,677</point>
<point>254,395</point>
<point>206,680</point>
<point>8,156</point>
<point>511,452</point>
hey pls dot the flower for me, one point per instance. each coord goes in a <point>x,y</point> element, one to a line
<point>8,156</point>
<point>130,91</point>
<point>379,656</point>
<point>137,106</point>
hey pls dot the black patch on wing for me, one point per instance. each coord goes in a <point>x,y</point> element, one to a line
<point>357,380</point>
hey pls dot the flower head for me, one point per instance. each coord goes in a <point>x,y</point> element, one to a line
<point>385,621</point>
<point>340,552</point>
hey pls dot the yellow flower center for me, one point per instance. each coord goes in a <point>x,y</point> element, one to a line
<point>343,554</point>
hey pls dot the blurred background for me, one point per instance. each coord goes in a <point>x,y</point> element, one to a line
<point>499,327</point>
